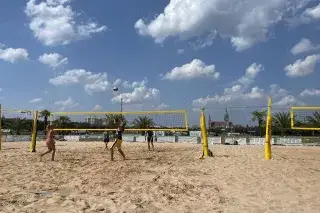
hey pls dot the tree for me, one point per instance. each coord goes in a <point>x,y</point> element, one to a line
<point>17,124</point>
<point>45,114</point>
<point>62,122</point>
<point>282,121</point>
<point>143,122</point>
<point>259,116</point>
<point>113,120</point>
<point>314,120</point>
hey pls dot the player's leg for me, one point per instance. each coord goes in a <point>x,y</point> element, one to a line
<point>112,148</point>
<point>119,143</point>
<point>53,152</point>
<point>148,139</point>
<point>151,141</point>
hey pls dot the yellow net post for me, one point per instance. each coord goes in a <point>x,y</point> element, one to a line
<point>267,145</point>
<point>204,135</point>
<point>34,132</point>
<point>0,127</point>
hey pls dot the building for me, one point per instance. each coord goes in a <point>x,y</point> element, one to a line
<point>93,120</point>
<point>220,124</point>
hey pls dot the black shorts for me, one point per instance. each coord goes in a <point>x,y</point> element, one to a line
<point>119,137</point>
<point>150,138</point>
<point>106,140</point>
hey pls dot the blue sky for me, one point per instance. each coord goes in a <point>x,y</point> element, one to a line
<point>179,54</point>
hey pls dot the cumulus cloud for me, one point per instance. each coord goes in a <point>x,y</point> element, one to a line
<point>310,92</point>
<point>66,104</point>
<point>54,60</point>
<point>127,84</point>
<point>302,67</point>
<point>194,69</point>
<point>92,82</point>
<point>13,55</point>
<point>35,101</point>
<point>139,95</point>
<point>53,22</point>
<point>245,23</point>
<point>97,108</point>
<point>160,106</point>
<point>313,12</point>
<point>304,45</point>
<point>251,73</point>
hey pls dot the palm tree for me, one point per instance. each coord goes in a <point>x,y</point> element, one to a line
<point>113,120</point>
<point>260,117</point>
<point>17,124</point>
<point>314,120</point>
<point>282,121</point>
<point>143,122</point>
<point>45,114</point>
<point>62,122</point>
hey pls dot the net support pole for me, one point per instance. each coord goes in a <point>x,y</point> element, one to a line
<point>267,145</point>
<point>34,132</point>
<point>204,135</point>
<point>0,127</point>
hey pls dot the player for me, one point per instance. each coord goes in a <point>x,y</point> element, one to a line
<point>50,142</point>
<point>106,139</point>
<point>118,141</point>
<point>150,139</point>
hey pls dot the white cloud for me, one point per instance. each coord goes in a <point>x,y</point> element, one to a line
<point>180,51</point>
<point>302,67</point>
<point>313,12</point>
<point>304,45</point>
<point>117,82</point>
<point>195,69</point>
<point>251,73</point>
<point>127,84</point>
<point>35,101</point>
<point>53,22</point>
<point>310,92</point>
<point>255,96</point>
<point>53,59</point>
<point>0,89</point>
<point>97,108</point>
<point>245,23</point>
<point>13,55</point>
<point>160,106</point>
<point>66,104</point>
<point>92,82</point>
<point>139,95</point>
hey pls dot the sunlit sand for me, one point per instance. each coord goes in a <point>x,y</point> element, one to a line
<point>170,179</point>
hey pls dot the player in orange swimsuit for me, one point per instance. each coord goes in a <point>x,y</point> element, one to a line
<point>50,142</point>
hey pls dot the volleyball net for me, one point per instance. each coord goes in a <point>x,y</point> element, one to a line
<point>18,125</point>
<point>305,117</point>
<point>173,120</point>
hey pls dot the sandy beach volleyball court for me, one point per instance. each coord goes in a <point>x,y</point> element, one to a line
<point>170,179</point>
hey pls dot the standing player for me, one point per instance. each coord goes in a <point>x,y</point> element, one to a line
<point>118,141</point>
<point>106,139</point>
<point>50,142</point>
<point>150,139</point>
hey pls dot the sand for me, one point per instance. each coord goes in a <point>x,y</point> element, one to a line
<point>170,179</point>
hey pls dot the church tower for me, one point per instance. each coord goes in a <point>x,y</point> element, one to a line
<point>226,118</point>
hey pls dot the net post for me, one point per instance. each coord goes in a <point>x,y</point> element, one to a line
<point>291,118</point>
<point>204,134</point>
<point>267,145</point>
<point>0,128</point>
<point>34,132</point>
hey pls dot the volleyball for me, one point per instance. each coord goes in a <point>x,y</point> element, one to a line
<point>115,89</point>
